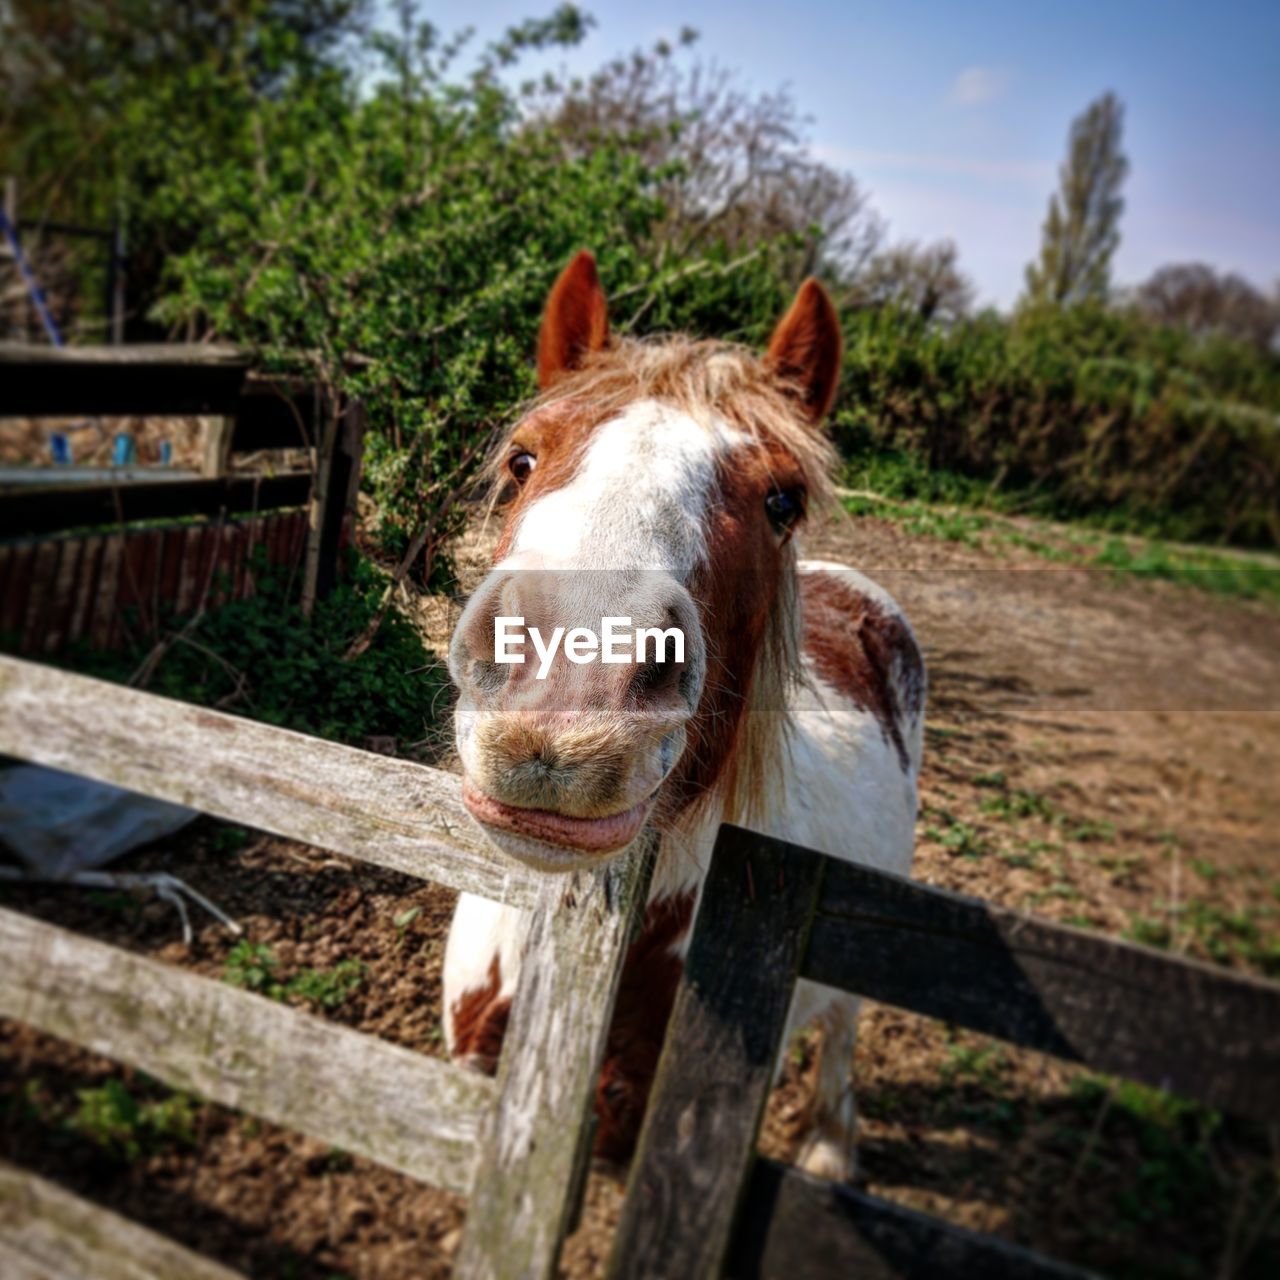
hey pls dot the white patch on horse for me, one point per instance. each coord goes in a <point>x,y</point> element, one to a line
<point>638,500</point>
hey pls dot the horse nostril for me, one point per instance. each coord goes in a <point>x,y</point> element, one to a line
<point>487,677</point>
<point>653,679</point>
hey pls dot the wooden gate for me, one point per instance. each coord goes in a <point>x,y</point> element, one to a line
<point>699,1202</point>
<point>98,558</point>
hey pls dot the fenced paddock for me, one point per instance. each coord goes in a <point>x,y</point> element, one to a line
<point>699,1202</point>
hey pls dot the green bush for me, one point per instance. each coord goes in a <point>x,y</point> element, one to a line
<point>261,658</point>
<point>1080,411</point>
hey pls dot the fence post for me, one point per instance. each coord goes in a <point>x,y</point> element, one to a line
<point>538,1136</point>
<point>217,447</point>
<point>340,493</point>
<point>699,1136</point>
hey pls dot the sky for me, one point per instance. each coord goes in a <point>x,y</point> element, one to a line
<point>954,115</point>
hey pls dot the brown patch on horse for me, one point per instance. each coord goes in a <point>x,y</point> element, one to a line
<point>746,628</point>
<point>479,1020</point>
<point>646,993</point>
<point>575,321</point>
<point>866,652</point>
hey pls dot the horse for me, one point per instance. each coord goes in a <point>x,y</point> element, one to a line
<point>666,482</point>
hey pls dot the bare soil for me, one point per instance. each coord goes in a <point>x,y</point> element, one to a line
<point>1101,751</point>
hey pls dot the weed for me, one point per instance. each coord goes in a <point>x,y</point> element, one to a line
<point>327,988</point>
<point>1123,869</point>
<point>1014,859</point>
<point>262,658</point>
<point>1172,1136</point>
<point>958,838</point>
<point>252,966</point>
<point>226,839</point>
<point>1086,831</point>
<point>405,919</point>
<point>977,1064</point>
<point>1018,804</point>
<point>1149,932</point>
<point>112,1118</point>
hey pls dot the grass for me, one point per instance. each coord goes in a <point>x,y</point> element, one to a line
<point>124,1122</point>
<point>252,967</point>
<point>954,508</point>
<point>113,1118</point>
<point>1240,938</point>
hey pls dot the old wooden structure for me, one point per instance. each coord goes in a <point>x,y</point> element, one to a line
<point>699,1201</point>
<point>98,557</point>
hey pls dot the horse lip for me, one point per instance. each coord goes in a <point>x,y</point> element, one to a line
<point>590,835</point>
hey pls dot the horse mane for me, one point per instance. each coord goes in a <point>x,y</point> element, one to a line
<point>712,382</point>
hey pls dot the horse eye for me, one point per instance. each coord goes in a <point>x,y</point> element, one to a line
<point>521,466</point>
<point>784,507</point>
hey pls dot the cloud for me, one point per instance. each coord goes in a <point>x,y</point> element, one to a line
<point>976,85</point>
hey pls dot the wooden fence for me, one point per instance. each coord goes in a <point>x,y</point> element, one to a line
<point>699,1203</point>
<point>75,567</point>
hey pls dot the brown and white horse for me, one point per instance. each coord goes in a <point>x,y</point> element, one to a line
<point>666,482</point>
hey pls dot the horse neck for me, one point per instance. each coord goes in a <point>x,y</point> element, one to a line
<point>752,784</point>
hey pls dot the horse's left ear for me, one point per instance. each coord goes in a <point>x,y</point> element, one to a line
<point>575,321</point>
<point>806,347</point>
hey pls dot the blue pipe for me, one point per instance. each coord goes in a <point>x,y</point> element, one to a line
<point>33,285</point>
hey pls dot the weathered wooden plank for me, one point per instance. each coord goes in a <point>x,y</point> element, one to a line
<point>217,447</point>
<point>41,509</point>
<point>717,1065</point>
<point>374,1099</point>
<point>796,1227</point>
<point>536,1141</point>
<point>137,356</point>
<point>86,587</point>
<point>13,604</point>
<point>47,1233</point>
<point>382,810</point>
<point>119,380</point>
<point>39,592</point>
<point>61,597</point>
<point>1201,1031</point>
<point>103,630</point>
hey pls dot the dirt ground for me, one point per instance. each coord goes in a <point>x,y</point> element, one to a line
<point>1100,751</point>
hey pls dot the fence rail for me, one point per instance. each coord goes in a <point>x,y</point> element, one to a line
<point>403,816</point>
<point>244,412</point>
<point>697,1199</point>
<point>353,1091</point>
<point>48,1232</point>
<point>1204,1032</point>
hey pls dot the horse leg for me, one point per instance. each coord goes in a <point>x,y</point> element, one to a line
<point>827,1149</point>
<point>481,967</point>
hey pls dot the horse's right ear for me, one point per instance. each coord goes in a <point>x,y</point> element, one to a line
<point>575,321</point>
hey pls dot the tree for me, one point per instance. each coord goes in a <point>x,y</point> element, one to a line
<point>101,101</point>
<point>733,167</point>
<point>923,279</point>
<point>1194,297</point>
<point>1082,229</point>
